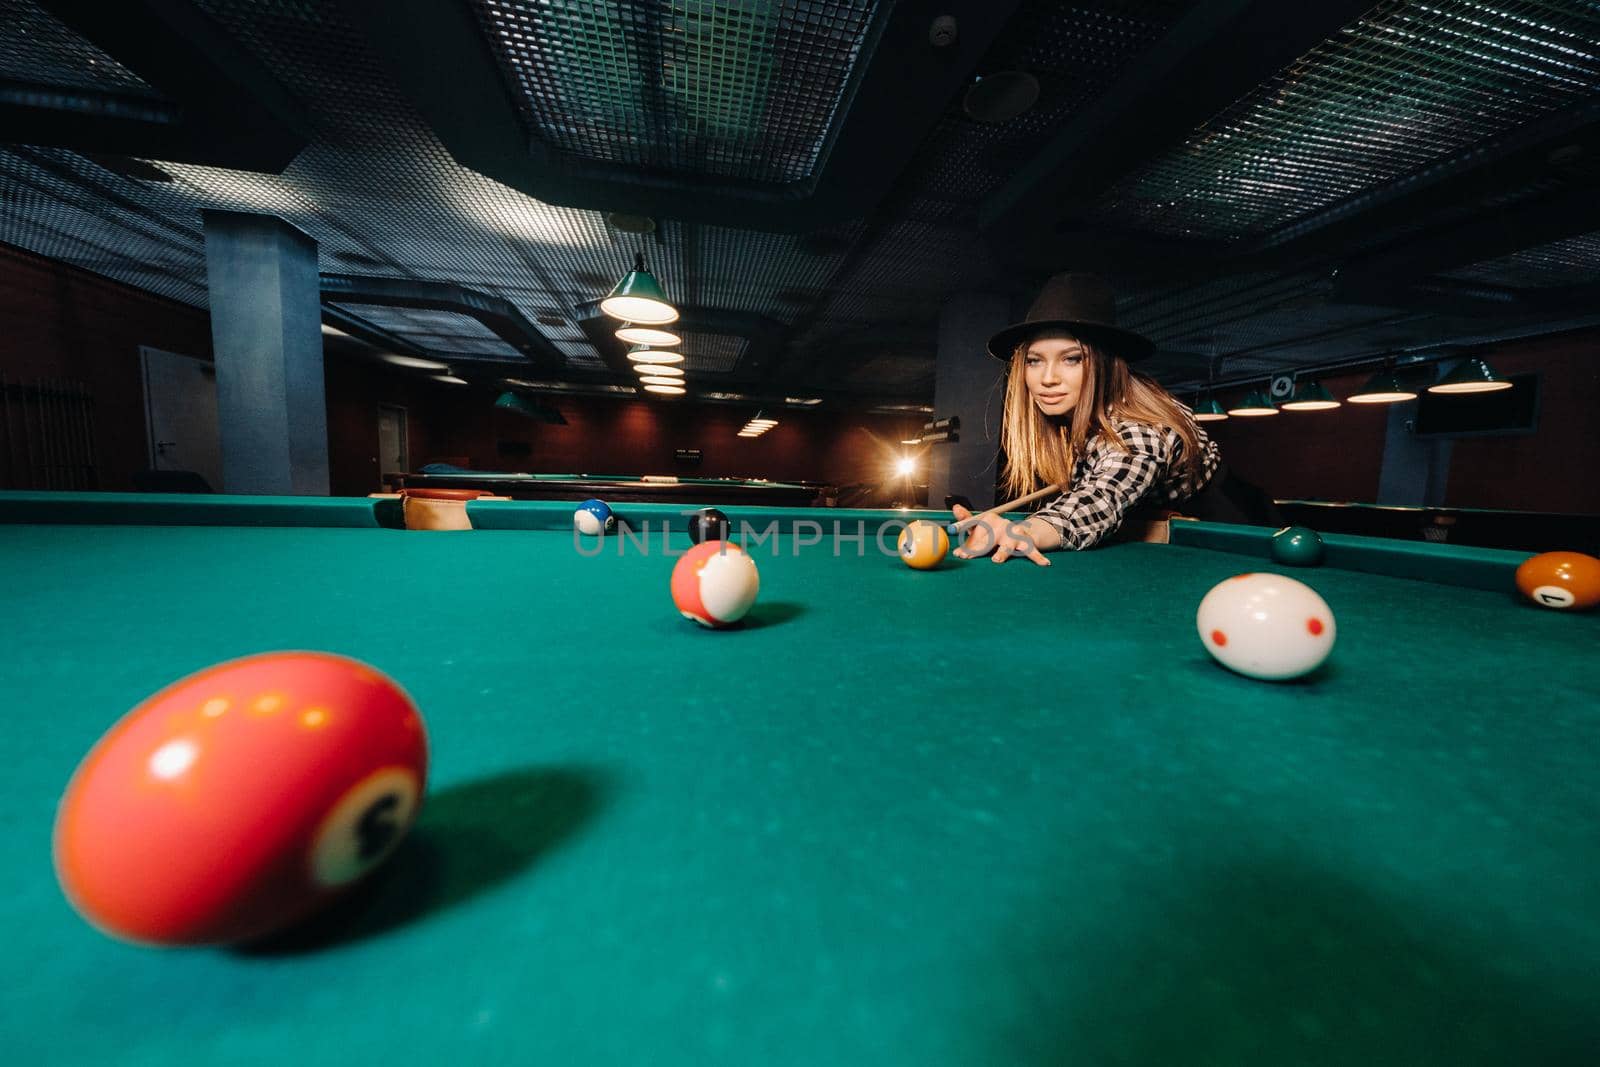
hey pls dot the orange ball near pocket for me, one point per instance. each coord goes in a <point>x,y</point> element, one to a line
<point>1564,581</point>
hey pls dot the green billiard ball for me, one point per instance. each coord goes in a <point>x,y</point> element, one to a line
<point>1297,546</point>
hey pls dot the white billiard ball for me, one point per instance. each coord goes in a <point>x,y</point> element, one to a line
<point>1266,626</point>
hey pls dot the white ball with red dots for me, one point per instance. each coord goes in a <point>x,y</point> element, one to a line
<point>1266,626</point>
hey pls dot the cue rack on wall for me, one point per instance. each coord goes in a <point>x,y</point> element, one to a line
<point>47,425</point>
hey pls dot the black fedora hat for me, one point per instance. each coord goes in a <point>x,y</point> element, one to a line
<point>1079,304</point>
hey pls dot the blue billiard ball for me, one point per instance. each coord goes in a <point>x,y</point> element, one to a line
<point>1297,546</point>
<point>594,517</point>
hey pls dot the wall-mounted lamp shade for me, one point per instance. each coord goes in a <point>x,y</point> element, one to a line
<point>529,408</point>
<point>1383,388</point>
<point>1470,376</point>
<point>1210,411</point>
<point>1255,405</point>
<point>642,354</point>
<point>1310,395</point>
<point>638,298</point>
<point>653,336</point>
<point>660,370</point>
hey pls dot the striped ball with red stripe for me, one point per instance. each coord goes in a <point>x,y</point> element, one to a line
<point>715,583</point>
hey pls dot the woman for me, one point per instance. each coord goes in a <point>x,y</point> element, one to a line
<point>1077,415</point>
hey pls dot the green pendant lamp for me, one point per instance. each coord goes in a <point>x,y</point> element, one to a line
<point>529,408</point>
<point>1383,387</point>
<point>1310,395</point>
<point>1256,405</point>
<point>1211,410</point>
<point>1470,376</point>
<point>638,298</point>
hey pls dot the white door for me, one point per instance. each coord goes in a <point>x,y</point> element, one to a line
<point>392,451</point>
<point>180,406</point>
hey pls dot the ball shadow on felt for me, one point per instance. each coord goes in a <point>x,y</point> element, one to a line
<point>468,839</point>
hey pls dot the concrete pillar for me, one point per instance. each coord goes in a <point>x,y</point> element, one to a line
<point>968,383</point>
<point>266,331</point>
<point>1415,470</point>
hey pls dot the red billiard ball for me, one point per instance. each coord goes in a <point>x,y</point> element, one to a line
<point>1565,581</point>
<point>239,800</point>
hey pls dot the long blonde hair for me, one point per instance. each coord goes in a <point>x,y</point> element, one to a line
<point>1040,452</point>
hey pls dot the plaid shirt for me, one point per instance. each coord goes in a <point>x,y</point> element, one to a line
<point>1107,482</point>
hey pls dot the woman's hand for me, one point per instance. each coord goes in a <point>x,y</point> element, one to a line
<point>993,532</point>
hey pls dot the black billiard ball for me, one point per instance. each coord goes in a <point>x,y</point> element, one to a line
<point>709,524</point>
<point>1297,546</point>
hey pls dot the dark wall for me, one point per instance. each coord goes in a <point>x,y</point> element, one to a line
<point>1555,468</point>
<point>355,390</point>
<point>1338,455</point>
<point>62,323</point>
<point>640,436</point>
<point>1309,455</point>
<point>57,321</point>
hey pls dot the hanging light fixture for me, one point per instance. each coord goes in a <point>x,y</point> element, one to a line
<point>652,336</point>
<point>1383,387</point>
<point>645,354</point>
<point>1254,405</point>
<point>638,298</point>
<point>415,362</point>
<point>664,389</point>
<point>660,370</point>
<point>1310,395</point>
<point>1210,409</point>
<point>757,426</point>
<point>1470,376</point>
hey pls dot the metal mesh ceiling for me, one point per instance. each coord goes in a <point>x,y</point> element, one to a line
<point>878,370</point>
<point>711,353</point>
<point>1409,83</point>
<point>1573,261</point>
<point>779,275</point>
<point>58,204</point>
<point>752,92</point>
<point>738,90</point>
<point>36,48</point>
<point>441,332</point>
<point>1075,51</point>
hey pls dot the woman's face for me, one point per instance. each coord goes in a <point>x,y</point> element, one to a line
<point>1053,369</point>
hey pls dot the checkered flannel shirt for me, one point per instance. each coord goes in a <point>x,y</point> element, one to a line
<point>1107,483</point>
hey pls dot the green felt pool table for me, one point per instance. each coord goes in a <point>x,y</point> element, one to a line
<point>982,814</point>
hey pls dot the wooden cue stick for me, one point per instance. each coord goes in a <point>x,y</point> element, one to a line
<point>957,528</point>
